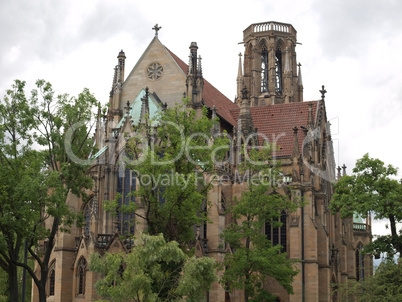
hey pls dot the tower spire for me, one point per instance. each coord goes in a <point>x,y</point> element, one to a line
<point>121,63</point>
<point>194,81</point>
<point>300,83</point>
<point>299,76</point>
<point>239,81</point>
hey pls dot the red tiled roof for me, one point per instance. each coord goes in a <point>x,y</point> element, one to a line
<point>278,120</point>
<point>212,96</point>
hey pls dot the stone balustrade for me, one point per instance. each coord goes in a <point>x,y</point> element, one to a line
<point>269,26</point>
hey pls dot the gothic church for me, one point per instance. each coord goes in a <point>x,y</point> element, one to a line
<point>269,101</point>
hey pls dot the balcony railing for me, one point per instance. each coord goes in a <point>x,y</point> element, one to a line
<point>269,26</point>
<point>361,227</point>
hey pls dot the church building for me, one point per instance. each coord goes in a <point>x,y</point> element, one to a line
<point>269,102</point>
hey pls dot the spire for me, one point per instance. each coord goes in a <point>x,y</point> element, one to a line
<point>114,81</point>
<point>190,65</point>
<point>245,121</point>
<point>194,81</point>
<point>199,68</point>
<point>299,76</point>
<point>240,71</point>
<point>193,58</point>
<point>121,63</point>
<point>300,83</point>
<point>145,107</point>
<point>296,150</point>
<point>239,81</point>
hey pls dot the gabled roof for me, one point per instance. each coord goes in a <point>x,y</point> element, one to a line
<point>212,96</point>
<point>278,120</point>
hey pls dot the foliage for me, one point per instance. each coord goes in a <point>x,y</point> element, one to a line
<point>154,270</point>
<point>170,162</point>
<point>36,151</point>
<point>372,188</point>
<point>384,285</point>
<point>253,258</point>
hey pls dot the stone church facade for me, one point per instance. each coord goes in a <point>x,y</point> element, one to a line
<point>269,102</point>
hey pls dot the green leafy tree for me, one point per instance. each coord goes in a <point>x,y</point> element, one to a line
<point>372,188</point>
<point>384,285</point>
<point>254,258</point>
<point>154,270</point>
<point>172,187</point>
<point>35,182</point>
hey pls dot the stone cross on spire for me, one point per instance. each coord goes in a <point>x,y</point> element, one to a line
<point>323,92</point>
<point>156,28</point>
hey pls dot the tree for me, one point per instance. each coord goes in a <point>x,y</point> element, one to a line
<point>178,153</point>
<point>372,188</point>
<point>254,258</point>
<point>16,182</point>
<point>35,183</point>
<point>384,285</point>
<point>154,270</point>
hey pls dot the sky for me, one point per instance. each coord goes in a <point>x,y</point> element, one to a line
<point>353,47</point>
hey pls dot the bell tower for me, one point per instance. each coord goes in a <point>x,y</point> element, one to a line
<point>270,66</point>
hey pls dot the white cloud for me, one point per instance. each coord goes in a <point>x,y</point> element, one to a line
<point>352,47</point>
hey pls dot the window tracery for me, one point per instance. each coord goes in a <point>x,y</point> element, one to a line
<point>264,69</point>
<point>277,235</point>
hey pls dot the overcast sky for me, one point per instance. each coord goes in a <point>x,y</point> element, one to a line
<point>353,47</point>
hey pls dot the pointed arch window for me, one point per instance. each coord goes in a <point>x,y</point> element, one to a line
<point>52,279</point>
<point>81,274</point>
<point>359,263</point>
<point>278,70</point>
<point>126,183</point>
<point>264,69</point>
<point>277,235</point>
<point>50,284</point>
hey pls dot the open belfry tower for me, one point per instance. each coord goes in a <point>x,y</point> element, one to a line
<point>271,72</point>
<point>269,103</point>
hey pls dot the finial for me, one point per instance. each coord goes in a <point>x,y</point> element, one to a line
<point>156,28</point>
<point>323,92</point>
<point>344,170</point>
<point>239,72</point>
<point>128,106</point>
<point>199,68</point>
<point>339,172</point>
<point>146,92</point>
